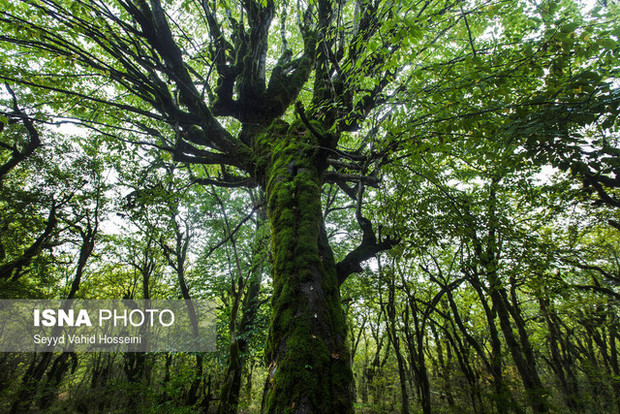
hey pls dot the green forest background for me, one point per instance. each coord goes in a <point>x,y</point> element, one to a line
<point>445,173</point>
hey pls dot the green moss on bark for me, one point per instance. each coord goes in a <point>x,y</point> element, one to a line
<point>306,352</point>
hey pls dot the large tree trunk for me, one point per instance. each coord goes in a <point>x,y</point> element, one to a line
<point>308,361</point>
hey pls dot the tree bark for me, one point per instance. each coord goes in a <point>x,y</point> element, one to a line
<point>529,375</point>
<point>239,345</point>
<point>561,366</point>
<point>34,376</point>
<point>393,335</point>
<point>33,142</point>
<point>502,395</point>
<point>520,350</point>
<point>306,353</point>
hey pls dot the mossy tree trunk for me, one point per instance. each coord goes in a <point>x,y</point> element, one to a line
<point>308,361</point>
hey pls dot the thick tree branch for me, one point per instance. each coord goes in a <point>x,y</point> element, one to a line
<point>12,269</point>
<point>594,181</point>
<point>288,77</point>
<point>368,248</point>
<point>32,144</point>
<point>186,152</point>
<point>223,54</point>
<point>157,31</point>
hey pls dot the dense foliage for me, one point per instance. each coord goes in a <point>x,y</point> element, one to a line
<point>398,206</point>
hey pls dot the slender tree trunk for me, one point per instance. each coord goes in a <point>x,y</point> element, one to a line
<point>101,372</point>
<point>391,313</point>
<point>34,378</point>
<point>372,390</point>
<point>12,270</point>
<point>164,384</point>
<point>229,394</point>
<point>229,398</point>
<point>445,367</point>
<point>561,366</point>
<point>502,394</point>
<point>54,378</point>
<point>29,383</point>
<point>524,338</point>
<point>239,345</point>
<point>529,375</point>
<point>176,259</point>
<point>307,358</point>
<point>519,349</point>
<point>613,355</point>
<point>415,343</point>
